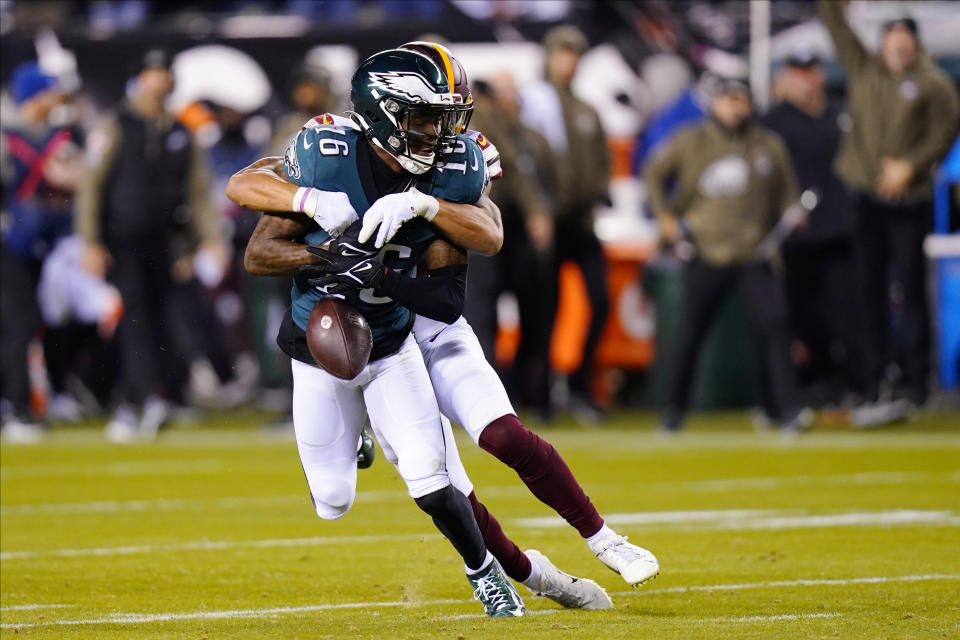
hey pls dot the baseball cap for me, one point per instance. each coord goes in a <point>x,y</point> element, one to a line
<point>154,59</point>
<point>28,80</point>
<point>803,56</point>
<point>904,22</point>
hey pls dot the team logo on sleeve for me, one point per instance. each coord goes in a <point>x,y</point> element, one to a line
<point>291,162</point>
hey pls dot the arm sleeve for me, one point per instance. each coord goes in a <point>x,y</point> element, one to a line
<point>439,296</point>
<point>943,118</point>
<point>659,169</point>
<point>101,148</point>
<point>849,48</point>
<point>203,216</point>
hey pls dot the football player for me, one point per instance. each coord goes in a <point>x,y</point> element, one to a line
<point>467,387</point>
<point>355,170</point>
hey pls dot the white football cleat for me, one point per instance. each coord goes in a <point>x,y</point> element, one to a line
<point>566,590</point>
<point>635,564</point>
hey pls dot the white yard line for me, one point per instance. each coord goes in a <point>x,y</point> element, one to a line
<point>142,618</point>
<point>102,507</point>
<point>707,520</point>
<point>31,607</point>
<point>823,582</point>
<point>783,616</point>
<point>212,545</point>
<point>132,468</point>
<point>755,519</point>
<point>872,478</point>
<point>508,491</point>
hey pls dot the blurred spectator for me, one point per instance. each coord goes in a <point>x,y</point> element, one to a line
<point>80,313</point>
<point>732,180</point>
<point>310,96</point>
<point>524,265</point>
<point>224,370</point>
<point>143,203</point>
<point>689,108</point>
<point>582,163</point>
<point>818,258</point>
<point>41,168</point>
<point>905,115</point>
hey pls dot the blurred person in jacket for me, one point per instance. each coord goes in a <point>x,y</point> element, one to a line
<point>582,163</point>
<point>905,114</point>
<point>818,258</point>
<point>311,94</point>
<point>144,202</point>
<point>732,179</point>
<point>41,165</point>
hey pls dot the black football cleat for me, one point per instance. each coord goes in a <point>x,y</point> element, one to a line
<point>366,451</point>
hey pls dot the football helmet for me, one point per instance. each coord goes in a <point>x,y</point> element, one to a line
<point>418,80</point>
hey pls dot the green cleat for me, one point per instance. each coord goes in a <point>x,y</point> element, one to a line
<point>365,451</point>
<point>496,593</point>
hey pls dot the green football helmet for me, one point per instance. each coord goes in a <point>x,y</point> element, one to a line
<point>420,80</point>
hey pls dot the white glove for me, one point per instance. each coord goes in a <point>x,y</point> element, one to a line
<point>330,209</point>
<point>391,211</point>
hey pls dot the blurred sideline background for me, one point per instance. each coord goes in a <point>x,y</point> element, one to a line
<point>248,73</point>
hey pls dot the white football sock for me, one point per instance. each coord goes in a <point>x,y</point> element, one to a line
<point>604,533</point>
<point>533,580</point>
<point>486,563</point>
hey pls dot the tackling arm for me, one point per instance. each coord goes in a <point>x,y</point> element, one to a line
<point>476,227</point>
<point>438,295</point>
<point>275,248</point>
<point>263,186</point>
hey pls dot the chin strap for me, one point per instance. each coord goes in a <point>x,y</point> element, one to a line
<point>417,165</point>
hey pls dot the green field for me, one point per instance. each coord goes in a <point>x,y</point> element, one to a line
<point>209,533</point>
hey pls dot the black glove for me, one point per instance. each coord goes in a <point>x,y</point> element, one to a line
<point>347,267</point>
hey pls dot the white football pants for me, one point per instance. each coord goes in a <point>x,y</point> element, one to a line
<point>395,392</point>
<point>467,388</point>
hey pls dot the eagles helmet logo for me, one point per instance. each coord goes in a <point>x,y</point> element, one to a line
<point>411,86</point>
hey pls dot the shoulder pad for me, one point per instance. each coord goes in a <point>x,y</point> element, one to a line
<point>317,152</point>
<point>330,120</point>
<point>490,153</point>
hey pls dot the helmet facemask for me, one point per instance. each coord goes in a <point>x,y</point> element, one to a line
<point>420,131</point>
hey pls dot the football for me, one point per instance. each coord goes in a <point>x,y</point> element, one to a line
<point>339,338</point>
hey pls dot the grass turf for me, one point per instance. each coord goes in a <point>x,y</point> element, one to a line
<point>209,533</point>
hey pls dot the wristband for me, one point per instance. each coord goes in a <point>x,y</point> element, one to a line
<point>301,199</point>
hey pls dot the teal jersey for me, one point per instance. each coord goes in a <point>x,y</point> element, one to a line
<point>330,154</point>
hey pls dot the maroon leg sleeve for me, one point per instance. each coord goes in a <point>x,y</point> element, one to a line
<point>513,561</point>
<point>543,471</point>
